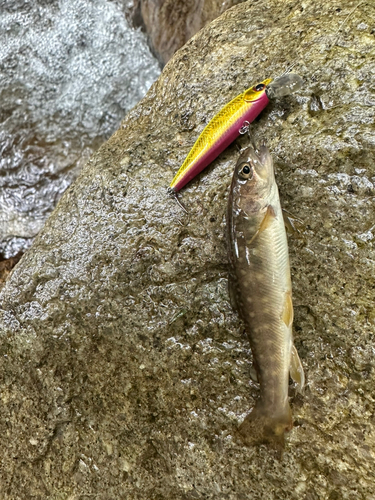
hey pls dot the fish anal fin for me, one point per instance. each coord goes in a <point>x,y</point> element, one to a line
<point>287,315</point>
<point>296,370</point>
<point>269,216</point>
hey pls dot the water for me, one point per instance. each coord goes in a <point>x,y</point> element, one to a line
<point>69,72</point>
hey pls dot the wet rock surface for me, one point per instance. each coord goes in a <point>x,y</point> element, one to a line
<point>169,24</point>
<point>124,370</point>
<point>69,71</point>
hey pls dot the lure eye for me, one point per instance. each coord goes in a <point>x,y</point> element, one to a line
<point>246,171</point>
<point>259,87</point>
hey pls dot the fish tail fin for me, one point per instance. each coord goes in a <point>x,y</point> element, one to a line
<point>264,425</point>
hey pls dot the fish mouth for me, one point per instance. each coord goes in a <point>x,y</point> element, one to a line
<point>260,159</point>
<point>284,85</point>
<point>259,152</point>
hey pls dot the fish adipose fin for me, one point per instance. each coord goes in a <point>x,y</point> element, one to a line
<point>265,426</point>
<point>296,371</point>
<point>268,218</point>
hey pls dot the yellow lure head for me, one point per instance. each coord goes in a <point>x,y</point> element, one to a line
<point>253,93</point>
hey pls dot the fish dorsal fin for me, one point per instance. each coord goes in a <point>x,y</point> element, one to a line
<point>269,216</point>
<point>296,370</point>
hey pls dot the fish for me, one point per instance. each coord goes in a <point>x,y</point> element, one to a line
<point>232,120</point>
<point>260,288</point>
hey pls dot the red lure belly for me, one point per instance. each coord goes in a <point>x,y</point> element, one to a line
<point>223,142</point>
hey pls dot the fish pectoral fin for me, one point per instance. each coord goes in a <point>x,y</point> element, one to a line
<point>296,370</point>
<point>287,315</point>
<point>269,216</point>
<point>293,225</point>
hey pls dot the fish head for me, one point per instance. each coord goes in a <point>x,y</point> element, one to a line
<point>254,174</point>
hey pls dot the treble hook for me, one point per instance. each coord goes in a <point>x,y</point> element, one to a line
<point>172,192</point>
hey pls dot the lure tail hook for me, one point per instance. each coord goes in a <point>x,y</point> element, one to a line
<point>171,192</point>
<point>181,205</point>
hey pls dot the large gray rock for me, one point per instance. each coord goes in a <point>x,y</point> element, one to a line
<point>69,71</point>
<point>169,24</point>
<point>124,370</point>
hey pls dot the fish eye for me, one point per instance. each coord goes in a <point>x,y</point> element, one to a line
<point>245,172</point>
<point>259,87</point>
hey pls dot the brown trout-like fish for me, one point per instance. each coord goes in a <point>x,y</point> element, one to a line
<point>260,285</point>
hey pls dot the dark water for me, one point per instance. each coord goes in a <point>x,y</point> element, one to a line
<point>69,72</point>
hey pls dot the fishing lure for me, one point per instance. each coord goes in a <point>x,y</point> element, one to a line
<point>229,123</point>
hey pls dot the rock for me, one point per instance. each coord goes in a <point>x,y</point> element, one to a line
<point>169,24</point>
<point>124,370</point>
<point>69,71</point>
<point>6,265</point>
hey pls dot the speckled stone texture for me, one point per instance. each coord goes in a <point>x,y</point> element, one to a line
<point>124,370</point>
<point>169,24</point>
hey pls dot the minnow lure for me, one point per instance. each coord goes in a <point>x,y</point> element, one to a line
<point>260,286</point>
<point>227,125</point>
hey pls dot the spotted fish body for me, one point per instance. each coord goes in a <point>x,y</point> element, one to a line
<point>226,125</point>
<point>260,285</point>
